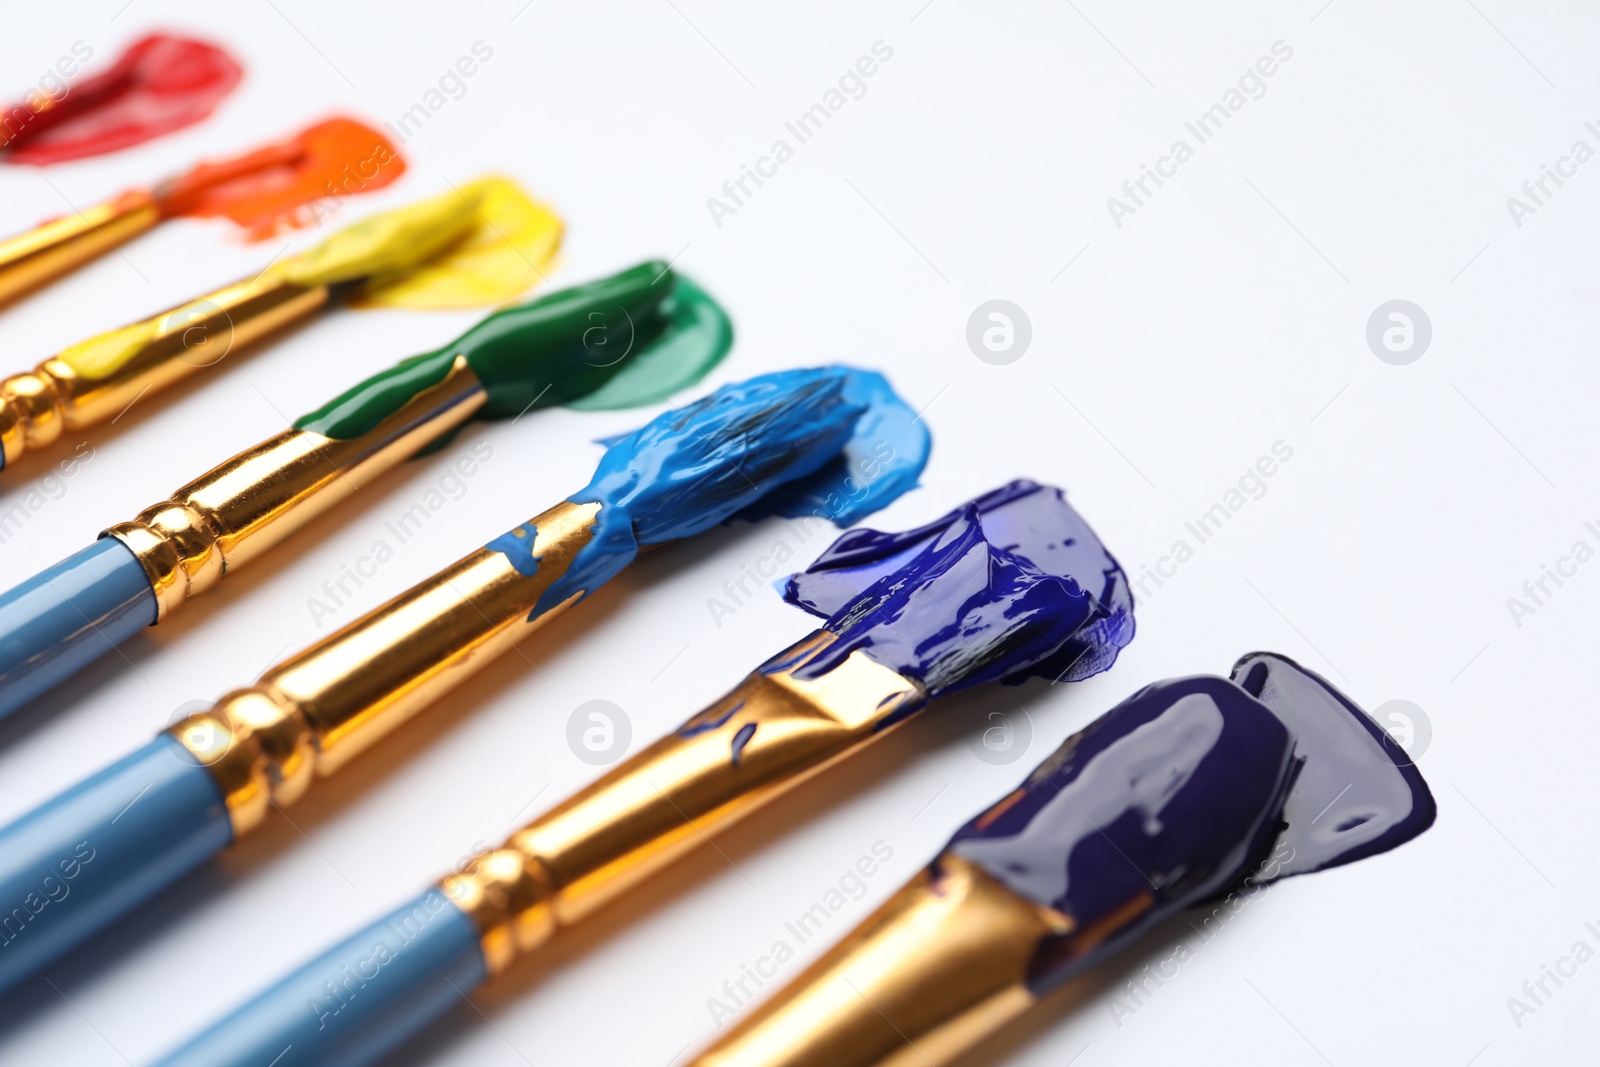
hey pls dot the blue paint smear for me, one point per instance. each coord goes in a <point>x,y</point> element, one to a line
<point>1188,790</point>
<point>833,441</point>
<point>1006,587</point>
<point>741,739</point>
<point>517,546</point>
<point>700,724</point>
<point>880,462</point>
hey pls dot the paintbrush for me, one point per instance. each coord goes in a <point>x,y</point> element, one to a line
<point>98,379</point>
<point>266,185</point>
<point>1190,791</point>
<point>777,442</point>
<point>1011,585</point>
<point>159,84</point>
<point>553,350</point>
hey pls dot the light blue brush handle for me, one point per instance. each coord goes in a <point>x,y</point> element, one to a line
<point>64,618</point>
<point>358,1001</point>
<point>80,862</point>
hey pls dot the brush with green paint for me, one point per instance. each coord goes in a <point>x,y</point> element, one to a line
<point>632,338</point>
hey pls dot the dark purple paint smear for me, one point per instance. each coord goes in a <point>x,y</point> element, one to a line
<point>1168,799</point>
<point>741,739</point>
<point>700,724</point>
<point>1358,793</point>
<point>1006,587</point>
<point>1178,794</point>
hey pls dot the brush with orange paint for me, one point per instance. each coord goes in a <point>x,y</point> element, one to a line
<point>263,191</point>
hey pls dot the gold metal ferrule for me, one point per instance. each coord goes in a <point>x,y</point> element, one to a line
<point>927,976</point>
<point>313,713</point>
<point>46,252</point>
<point>247,505</point>
<point>73,390</point>
<point>769,734</point>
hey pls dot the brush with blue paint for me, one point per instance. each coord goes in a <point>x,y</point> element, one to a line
<point>643,326</point>
<point>1188,791</point>
<point>795,443</point>
<point>1010,586</point>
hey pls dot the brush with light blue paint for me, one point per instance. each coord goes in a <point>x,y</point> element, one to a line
<point>833,442</point>
<point>633,337</point>
<point>1009,586</point>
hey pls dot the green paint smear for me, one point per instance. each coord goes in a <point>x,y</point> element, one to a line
<point>697,337</point>
<point>355,411</point>
<point>630,339</point>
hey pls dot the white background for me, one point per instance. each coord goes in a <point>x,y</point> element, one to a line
<point>1227,314</point>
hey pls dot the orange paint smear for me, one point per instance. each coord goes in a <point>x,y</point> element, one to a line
<point>278,186</point>
<point>160,84</point>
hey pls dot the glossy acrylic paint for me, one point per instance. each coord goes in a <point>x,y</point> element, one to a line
<point>481,244</point>
<point>272,188</point>
<point>158,85</point>
<point>1357,793</point>
<point>1178,794</point>
<point>546,352</point>
<point>513,241</point>
<point>1009,586</point>
<point>697,466</point>
<point>696,337</point>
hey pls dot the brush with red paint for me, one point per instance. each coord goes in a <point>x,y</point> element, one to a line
<point>158,85</point>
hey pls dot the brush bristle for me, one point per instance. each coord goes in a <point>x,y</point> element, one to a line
<point>1009,586</point>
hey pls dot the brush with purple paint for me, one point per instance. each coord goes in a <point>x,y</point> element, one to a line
<point>1009,586</point>
<point>1187,791</point>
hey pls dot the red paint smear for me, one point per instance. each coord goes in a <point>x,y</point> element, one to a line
<point>265,191</point>
<point>160,84</point>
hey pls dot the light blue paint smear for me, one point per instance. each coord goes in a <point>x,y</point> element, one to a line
<point>830,441</point>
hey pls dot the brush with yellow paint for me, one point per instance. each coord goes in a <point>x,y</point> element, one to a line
<point>476,246</point>
<point>631,338</point>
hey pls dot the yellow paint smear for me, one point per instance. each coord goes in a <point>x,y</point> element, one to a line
<point>104,354</point>
<point>510,248</point>
<point>483,245</point>
<point>388,243</point>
